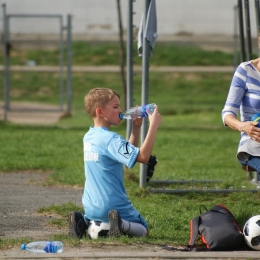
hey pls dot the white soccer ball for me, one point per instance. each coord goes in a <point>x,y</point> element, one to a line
<point>251,232</point>
<point>98,229</point>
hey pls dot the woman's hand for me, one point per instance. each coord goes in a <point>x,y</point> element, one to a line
<point>248,127</point>
<point>251,129</point>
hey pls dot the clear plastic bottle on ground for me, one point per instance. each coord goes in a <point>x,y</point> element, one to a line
<point>138,112</point>
<point>44,247</point>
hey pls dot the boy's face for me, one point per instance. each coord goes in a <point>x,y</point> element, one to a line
<point>111,111</point>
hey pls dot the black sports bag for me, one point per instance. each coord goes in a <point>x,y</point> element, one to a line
<point>218,229</point>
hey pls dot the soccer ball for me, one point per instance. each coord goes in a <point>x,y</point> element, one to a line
<point>251,232</point>
<point>98,229</point>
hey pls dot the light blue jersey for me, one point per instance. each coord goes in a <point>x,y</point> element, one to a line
<point>105,154</point>
<point>244,95</point>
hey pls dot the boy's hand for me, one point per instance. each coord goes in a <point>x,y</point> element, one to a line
<point>155,118</point>
<point>137,122</point>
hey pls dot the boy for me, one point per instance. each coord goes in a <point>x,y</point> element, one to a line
<point>105,154</point>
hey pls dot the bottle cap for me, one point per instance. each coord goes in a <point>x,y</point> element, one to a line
<point>23,246</point>
<point>121,116</point>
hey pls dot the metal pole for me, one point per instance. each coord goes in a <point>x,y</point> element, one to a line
<point>129,83</point>
<point>61,65</point>
<point>179,191</point>
<point>235,59</point>
<point>241,30</point>
<point>8,46</point>
<point>257,23</point>
<point>6,62</point>
<point>69,57</point>
<point>145,83</point>
<point>167,182</point>
<point>248,30</point>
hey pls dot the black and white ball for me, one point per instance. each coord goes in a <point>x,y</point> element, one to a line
<point>98,229</point>
<point>251,232</point>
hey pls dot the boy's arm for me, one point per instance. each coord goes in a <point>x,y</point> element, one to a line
<point>147,146</point>
<point>136,129</point>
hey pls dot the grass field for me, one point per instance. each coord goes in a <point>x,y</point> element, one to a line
<point>191,143</point>
<point>102,53</point>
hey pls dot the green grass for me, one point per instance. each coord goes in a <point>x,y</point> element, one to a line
<point>179,93</point>
<point>191,143</point>
<point>100,54</point>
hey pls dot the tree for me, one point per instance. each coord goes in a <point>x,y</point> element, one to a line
<point>122,55</point>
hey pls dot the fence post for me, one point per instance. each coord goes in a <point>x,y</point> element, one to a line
<point>235,41</point>
<point>257,23</point>
<point>69,57</point>
<point>248,30</point>
<point>145,84</point>
<point>7,47</point>
<point>241,30</point>
<point>129,79</point>
<point>61,64</point>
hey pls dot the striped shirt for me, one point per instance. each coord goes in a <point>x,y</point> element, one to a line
<point>244,95</point>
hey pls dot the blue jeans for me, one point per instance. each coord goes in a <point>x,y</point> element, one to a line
<point>253,162</point>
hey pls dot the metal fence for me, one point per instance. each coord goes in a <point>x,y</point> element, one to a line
<point>36,39</point>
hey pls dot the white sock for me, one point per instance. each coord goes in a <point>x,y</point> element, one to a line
<point>133,229</point>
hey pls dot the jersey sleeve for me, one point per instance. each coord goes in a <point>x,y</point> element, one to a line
<point>122,151</point>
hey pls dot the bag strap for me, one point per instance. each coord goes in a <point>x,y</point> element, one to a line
<point>194,231</point>
<point>194,228</point>
<point>200,208</point>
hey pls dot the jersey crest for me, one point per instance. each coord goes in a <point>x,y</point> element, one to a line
<point>126,150</point>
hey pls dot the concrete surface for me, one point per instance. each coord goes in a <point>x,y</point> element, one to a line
<point>31,113</point>
<point>158,253</point>
<point>137,69</point>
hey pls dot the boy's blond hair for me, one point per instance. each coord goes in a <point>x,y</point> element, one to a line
<point>98,97</point>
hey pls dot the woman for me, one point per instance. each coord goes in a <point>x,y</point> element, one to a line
<point>244,98</point>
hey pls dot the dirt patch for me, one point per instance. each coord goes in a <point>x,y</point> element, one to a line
<point>21,197</point>
<point>31,113</point>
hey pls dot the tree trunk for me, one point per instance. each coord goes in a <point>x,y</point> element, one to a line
<point>122,52</point>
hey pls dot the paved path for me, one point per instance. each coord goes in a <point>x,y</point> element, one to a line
<point>192,69</point>
<point>138,253</point>
<point>31,113</point>
<point>22,194</point>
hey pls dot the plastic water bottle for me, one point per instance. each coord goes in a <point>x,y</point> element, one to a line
<point>44,247</point>
<point>138,112</point>
<point>256,118</point>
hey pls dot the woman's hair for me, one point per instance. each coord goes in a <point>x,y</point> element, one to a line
<point>98,97</point>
